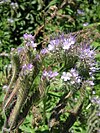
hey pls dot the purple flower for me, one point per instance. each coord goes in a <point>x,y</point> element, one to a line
<point>91,83</point>
<point>66,45</point>
<point>24,67</point>
<point>49,74</point>
<point>45,73</point>
<point>27,67</point>
<point>66,76</point>
<point>73,72</point>
<point>52,74</point>
<point>61,42</point>
<point>80,12</point>
<point>29,40</point>
<point>28,36</point>
<point>86,52</point>
<point>71,76</point>
<point>75,76</point>
<point>54,44</point>
<point>44,51</point>
<point>20,49</point>
<point>37,57</point>
<point>87,57</point>
<point>31,44</point>
<point>68,42</point>
<point>51,47</point>
<point>93,69</point>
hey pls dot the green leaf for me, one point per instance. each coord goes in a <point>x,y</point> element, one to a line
<point>53,2</point>
<point>27,129</point>
<point>96,44</point>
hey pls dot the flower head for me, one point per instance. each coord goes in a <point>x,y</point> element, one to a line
<point>27,68</point>
<point>71,76</point>
<point>49,74</point>
<point>86,52</point>
<point>28,36</point>
<point>20,49</point>
<point>54,44</point>
<point>44,51</point>
<point>66,76</point>
<point>89,83</point>
<point>52,74</point>
<point>68,42</point>
<point>30,67</point>
<point>61,42</point>
<point>29,40</point>
<point>87,57</point>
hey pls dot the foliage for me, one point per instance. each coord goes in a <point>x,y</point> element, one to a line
<point>47,20</point>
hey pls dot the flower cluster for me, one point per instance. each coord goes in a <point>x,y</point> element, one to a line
<point>20,49</point>
<point>29,41</point>
<point>68,42</point>
<point>49,74</point>
<point>86,52</point>
<point>87,57</point>
<point>81,57</point>
<point>72,77</point>
<point>84,64</point>
<point>44,51</point>
<point>27,68</point>
<point>54,44</point>
<point>61,42</point>
<point>89,82</point>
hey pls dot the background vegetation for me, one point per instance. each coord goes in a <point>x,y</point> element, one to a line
<point>45,19</point>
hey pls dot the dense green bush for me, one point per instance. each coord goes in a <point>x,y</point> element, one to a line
<point>23,16</point>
